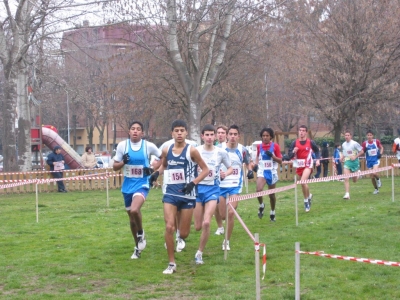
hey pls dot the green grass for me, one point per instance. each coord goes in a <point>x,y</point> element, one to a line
<point>81,249</point>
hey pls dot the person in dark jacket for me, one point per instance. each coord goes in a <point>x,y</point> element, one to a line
<point>325,157</point>
<point>56,162</point>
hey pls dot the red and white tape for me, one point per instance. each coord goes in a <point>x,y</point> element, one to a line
<point>355,174</point>
<point>350,258</point>
<point>10,185</point>
<point>256,244</point>
<point>264,257</point>
<point>84,177</point>
<point>48,171</point>
<point>15,183</point>
<point>236,198</point>
<point>92,176</point>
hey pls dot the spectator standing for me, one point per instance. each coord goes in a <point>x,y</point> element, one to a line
<point>325,157</point>
<point>56,162</point>
<point>89,159</point>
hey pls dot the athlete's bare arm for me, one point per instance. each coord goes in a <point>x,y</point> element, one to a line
<point>196,157</point>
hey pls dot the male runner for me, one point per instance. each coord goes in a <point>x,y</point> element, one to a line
<point>180,242</point>
<point>351,151</point>
<point>222,131</point>
<point>302,149</point>
<point>232,184</point>
<point>208,188</point>
<point>373,150</point>
<point>267,160</point>
<point>180,162</point>
<point>396,147</point>
<point>133,155</point>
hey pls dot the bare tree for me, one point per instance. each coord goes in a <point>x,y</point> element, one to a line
<point>195,37</point>
<point>22,24</point>
<point>348,54</point>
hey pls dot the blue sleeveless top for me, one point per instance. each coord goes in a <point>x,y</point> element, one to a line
<point>134,179</point>
<point>181,170</point>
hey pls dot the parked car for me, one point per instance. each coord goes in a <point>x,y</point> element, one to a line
<point>1,167</point>
<point>103,161</point>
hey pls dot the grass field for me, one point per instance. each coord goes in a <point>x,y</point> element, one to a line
<point>81,249</point>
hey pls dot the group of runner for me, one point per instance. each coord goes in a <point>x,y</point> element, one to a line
<point>198,179</point>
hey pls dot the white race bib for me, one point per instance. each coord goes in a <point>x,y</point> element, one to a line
<point>372,152</point>
<point>267,164</point>
<point>176,176</point>
<point>235,172</point>
<point>133,171</point>
<point>58,166</point>
<point>210,176</point>
<point>349,152</point>
<point>299,163</point>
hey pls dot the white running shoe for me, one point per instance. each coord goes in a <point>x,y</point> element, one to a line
<point>376,192</point>
<point>309,199</point>
<point>346,196</point>
<point>180,244</point>
<point>227,246</point>
<point>199,259</point>
<point>220,231</point>
<point>378,183</point>
<point>136,254</point>
<point>141,242</point>
<point>171,269</point>
<point>307,206</point>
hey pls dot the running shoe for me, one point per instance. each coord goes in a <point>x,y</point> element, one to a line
<point>376,192</point>
<point>220,231</point>
<point>227,246</point>
<point>309,199</point>
<point>378,183</point>
<point>261,210</point>
<point>307,206</point>
<point>136,254</point>
<point>272,217</point>
<point>141,241</point>
<point>180,244</point>
<point>171,269</point>
<point>199,259</point>
<point>346,196</point>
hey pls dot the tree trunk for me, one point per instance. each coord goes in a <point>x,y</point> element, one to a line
<point>9,137</point>
<point>24,123</point>
<point>337,131</point>
<point>194,119</point>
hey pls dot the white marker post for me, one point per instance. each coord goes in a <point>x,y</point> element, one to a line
<point>37,203</point>
<point>393,184</point>
<point>108,198</point>
<point>295,201</point>
<point>297,270</point>
<point>226,227</point>
<point>257,263</point>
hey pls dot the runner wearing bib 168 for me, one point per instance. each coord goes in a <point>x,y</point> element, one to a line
<point>133,156</point>
<point>301,150</point>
